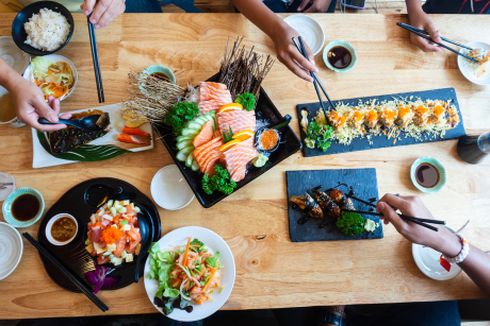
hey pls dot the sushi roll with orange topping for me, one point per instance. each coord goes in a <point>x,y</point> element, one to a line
<point>421,113</point>
<point>371,118</point>
<point>356,119</point>
<point>387,117</point>
<point>336,119</point>
<point>452,117</point>
<point>436,115</point>
<point>405,116</point>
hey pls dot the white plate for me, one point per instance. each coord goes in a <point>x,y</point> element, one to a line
<point>28,73</point>
<point>12,55</point>
<point>170,190</point>
<point>467,68</point>
<point>427,260</point>
<point>214,243</point>
<point>11,248</point>
<point>41,158</point>
<point>309,29</point>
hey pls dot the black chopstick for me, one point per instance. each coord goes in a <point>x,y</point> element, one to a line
<point>316,81</point>
<point>74,279</point>
<point>424,34</point>
<point>407,26</point>
<point>95,60</point>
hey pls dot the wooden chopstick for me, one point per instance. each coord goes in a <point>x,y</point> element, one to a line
<point>408,26</point>
<point>416,220</point>
<point>95,60</point>
<point>66,272</point>
<point>424,34</point>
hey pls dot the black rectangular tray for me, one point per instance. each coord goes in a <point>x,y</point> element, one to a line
<point>265,110</point>
<point>364,184</point>
<point>360,144</point>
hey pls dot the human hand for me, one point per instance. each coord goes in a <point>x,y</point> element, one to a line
<point>315,5</point>
<point>443,240</point>
<point>103,11</point>
<point>290,56</point>
<point>30,105</point>
<point>419,19</point>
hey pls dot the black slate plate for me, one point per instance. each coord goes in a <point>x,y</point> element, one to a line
<point>360,144</point>
<point>365,186</point>
<point>265,110</point>
<point>81,201</point>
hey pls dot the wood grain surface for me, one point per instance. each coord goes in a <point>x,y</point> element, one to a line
<point>271,271</point>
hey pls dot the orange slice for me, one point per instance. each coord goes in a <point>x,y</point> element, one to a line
<point>228,145</point>
<point>231,106</point>
<point>244,134</point>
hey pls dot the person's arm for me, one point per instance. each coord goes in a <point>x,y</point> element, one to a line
<point>103,11</point>
<point>418,18</point>
<point>29,100</point>
<point>280,33</point>
<point>314,6</point>
<point>476,264</point>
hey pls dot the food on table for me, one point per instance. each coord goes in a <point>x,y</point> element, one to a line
<point>220,181</point>
<point>113,234</point>
<point>247,100</point>
<point>132,118</point>
<point>330,205</point>
<point>180,114</point>
<point>212,96</point>
<point>46,30</point>
<point>187,275</point>
<point>268,139</point>
<point>63,229</point>
<point>134,136</point>
<point>54,78</point>
<point>339,57</point>
<point>394,119</point>
<point>238,156</point>
<point>25,207</point>
<point>65,140</point>
<point>100,279</point>
<point>427,175</point>
<point>483,57</point>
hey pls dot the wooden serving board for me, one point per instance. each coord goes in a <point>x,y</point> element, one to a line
<point>360,144</point>
<point>365,186</point>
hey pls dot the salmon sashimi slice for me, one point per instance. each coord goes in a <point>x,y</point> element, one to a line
<point>206,152</point>
<point>205,134</point>
<point>211,163</point>
<point>212,96</point>
<point>237,158</point>
<point>236,120</point>
<point>209,105</point>
<point>214,143</point>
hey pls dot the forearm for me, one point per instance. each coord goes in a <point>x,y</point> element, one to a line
<point>477,266</point>
<point>413,6</point>
<point>258,13</point>
<point>8,76</point>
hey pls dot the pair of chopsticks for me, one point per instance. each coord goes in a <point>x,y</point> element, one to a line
<point>417,220</point>
<point>426,35</point>
<point>95,60</point>
<point>74,279</point>
<point>316,81</point>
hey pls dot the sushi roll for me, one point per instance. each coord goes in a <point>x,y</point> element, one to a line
<point>371,118</point>
<point>387,117</point>
<point>405,116</point>
<point>336,119</point>
<point>452,117</point>
<point>356,119</point>
<point>436,115</point>
<point>421,113</point>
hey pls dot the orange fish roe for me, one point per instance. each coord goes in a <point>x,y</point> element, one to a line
<point>111,235</point>
<point>269,139</point>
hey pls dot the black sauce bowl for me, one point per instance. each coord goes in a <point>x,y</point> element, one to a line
<point>19,34</point>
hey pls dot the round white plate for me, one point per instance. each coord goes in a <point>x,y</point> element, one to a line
<point>467,68</point>
<point>169,188</point>
<point>12,55</point>
<point>6,178</point>
<point>309,29</point>
<point>11,248</point>
<point>215,243</point>
<point>427,260</point>
<point>28,74</point>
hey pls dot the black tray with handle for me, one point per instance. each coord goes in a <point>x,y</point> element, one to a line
<point>82,201</point>
<point>364,185</point>
<point>360,144</point>
<point>265,110</point>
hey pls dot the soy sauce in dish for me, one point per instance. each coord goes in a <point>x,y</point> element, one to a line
<point>339,57</point>
<point>160,75</point>
<point>427,175</point>
<point>63,229</point>
<point>25,207</point>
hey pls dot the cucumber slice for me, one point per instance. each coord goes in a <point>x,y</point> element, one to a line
<point>182,138</point>
<point>183,144</point>
<point>183,153</point>
<point>194,166</point>
<point>189,159</point>
<point>200,119</point>
<point>189,132</point>
<point>194,125</point>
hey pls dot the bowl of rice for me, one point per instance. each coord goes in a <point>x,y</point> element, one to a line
<point>42,28</point>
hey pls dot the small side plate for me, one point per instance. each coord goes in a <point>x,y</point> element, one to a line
<point>11,249</point>
<point>468,69</point>
<point>427,260</point>
<point>309,29</point>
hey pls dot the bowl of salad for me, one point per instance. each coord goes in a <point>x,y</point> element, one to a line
<point>189,273</point>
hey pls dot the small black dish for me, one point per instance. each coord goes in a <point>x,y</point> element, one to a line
<point>19,34</point>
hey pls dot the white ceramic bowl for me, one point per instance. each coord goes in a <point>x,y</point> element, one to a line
<point>309,29</point>
<point>50,223</point>
<point>427,260</point>
<point>215,243</point>
<point>467,68</point>
<point>170,190</point>
<point>11,249</point>
<point>28,74</point>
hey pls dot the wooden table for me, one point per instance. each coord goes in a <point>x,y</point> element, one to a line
<point>271,271</point>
